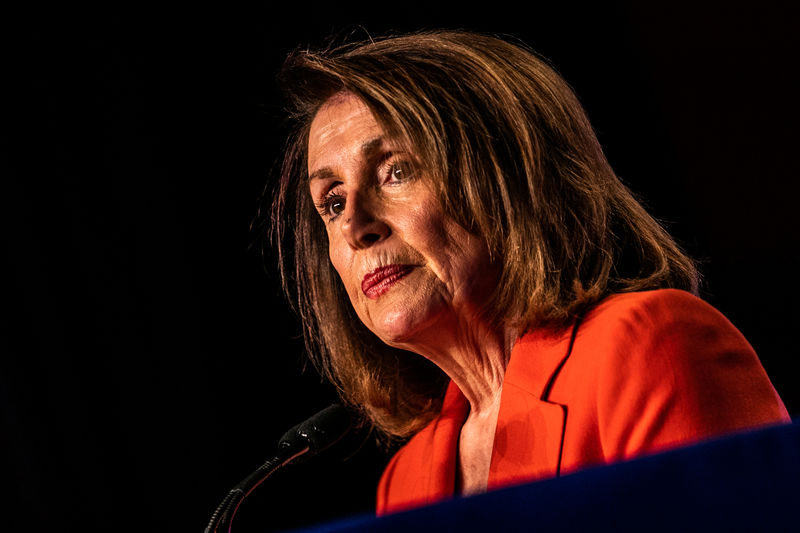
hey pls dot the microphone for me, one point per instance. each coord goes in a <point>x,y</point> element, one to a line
<point>319,432</point>
<point>299,444</point>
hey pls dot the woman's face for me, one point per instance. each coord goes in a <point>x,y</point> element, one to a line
<point>409,269</point>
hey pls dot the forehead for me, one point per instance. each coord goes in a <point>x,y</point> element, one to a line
<point>342,124</point>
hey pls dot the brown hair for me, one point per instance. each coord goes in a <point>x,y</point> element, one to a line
<point>515,161</point>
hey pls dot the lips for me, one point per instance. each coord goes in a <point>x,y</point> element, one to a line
<point>381,279</point>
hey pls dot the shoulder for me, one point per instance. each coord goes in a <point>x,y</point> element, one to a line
<point>668,323</point>
<point>631,346</point>
<point>664,338</point>
<point>652,308</point>
<point>660,368</point>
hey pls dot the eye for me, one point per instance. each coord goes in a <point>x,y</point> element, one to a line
<point>336,205</point>
<point>399,171</point>
<point>331,206</point>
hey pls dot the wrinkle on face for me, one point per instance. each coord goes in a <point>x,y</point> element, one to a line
<point>435,309</point>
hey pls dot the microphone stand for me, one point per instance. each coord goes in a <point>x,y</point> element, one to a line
<point>298,444</point>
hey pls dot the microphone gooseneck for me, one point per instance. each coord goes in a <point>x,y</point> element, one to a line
<point>300,443</point>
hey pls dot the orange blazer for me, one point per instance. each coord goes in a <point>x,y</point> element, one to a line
<point>640,373</point>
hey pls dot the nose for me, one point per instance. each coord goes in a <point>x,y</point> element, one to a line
<point>363,223</point>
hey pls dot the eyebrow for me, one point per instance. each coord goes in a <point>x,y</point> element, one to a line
<point>368,149</point>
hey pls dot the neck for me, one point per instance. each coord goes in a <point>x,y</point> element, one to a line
<point>474,355</point>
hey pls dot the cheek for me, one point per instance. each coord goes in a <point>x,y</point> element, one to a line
<point>424,225</point>
<point>342,261</point>
<point>431,234</point>
<point>336,257</point>
<point>460,258</point>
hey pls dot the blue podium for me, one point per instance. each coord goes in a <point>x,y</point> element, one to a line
<point>744,482</point>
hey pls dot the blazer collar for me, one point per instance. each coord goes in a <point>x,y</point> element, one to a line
<point>530,429</point>
<point>529,433</point>
<point>444,444</point>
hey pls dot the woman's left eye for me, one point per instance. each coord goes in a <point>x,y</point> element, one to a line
<point>399,172</point>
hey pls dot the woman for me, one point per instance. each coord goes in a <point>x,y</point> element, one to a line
<point>444,196</point>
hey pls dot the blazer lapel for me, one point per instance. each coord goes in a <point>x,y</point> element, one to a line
<point>441,479</point>
<point>530,429</point>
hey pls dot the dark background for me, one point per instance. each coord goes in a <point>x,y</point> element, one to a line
<point>148,360</point>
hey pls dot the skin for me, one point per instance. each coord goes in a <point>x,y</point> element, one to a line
<point>379,210</point>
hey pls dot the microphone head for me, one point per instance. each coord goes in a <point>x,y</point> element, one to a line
<point>320,431</point>
<point>326,427</point>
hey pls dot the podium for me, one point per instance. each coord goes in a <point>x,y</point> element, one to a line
<point>744,482</point>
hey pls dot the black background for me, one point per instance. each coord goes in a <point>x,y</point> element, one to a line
<point>148,359</point>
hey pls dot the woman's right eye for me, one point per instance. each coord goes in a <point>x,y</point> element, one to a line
<point>336,206</point>
<point>331,206</point>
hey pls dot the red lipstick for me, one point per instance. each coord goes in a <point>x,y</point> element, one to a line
<point>381,279</point>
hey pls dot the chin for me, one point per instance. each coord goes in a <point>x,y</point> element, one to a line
<point>395,329</point>
<point>400,328</point>
<point>404,315</point>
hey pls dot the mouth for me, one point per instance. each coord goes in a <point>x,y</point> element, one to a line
<point>381,279</point>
